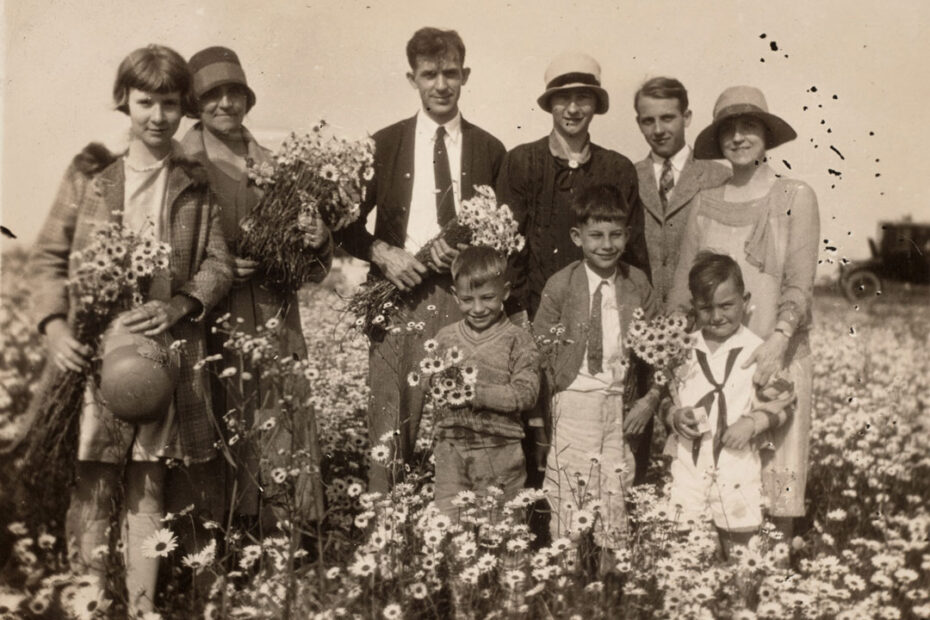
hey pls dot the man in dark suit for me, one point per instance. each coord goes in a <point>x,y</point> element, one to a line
<point>669,179</point>
<point>425,166</point>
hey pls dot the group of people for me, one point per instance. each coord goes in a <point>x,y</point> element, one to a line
<point>604,237</point>
<point>733,247</point>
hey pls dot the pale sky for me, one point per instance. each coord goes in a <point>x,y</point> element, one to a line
<point>344,62</point>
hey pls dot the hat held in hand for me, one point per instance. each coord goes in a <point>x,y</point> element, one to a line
<point>138,375</point>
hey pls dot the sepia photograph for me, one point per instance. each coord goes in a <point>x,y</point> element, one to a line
<point>406,309</point>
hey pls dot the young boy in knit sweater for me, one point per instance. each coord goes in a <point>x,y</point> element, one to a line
<point>479,444</point>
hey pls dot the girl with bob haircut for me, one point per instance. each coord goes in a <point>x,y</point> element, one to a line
<point>152,189</point>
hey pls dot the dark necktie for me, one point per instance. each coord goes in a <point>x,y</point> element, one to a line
<point>445,198</point>
<point>666,183</point>
<point>596,333</point>
<point>708,401</point>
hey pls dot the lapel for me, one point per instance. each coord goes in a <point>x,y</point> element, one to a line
<point>178,181</point>
<point>689,184</point>
<point>648,188</point>
<point>110,188</point>
<point>400,174</point>
<point>627,300</point>
<point>468,153</point>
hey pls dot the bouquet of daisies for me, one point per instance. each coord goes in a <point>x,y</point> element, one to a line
<point>662,343</point>
<point>113,274</point>
<point>447,381</point>
<point>479,221</point>
<point>315,176</point>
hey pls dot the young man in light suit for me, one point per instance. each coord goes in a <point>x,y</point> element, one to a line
<point>425,166</point>
<point>669,179</point>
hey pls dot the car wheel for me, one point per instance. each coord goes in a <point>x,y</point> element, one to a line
<point>862,285</point>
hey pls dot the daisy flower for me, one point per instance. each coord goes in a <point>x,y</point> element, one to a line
<point>392,611</point>
<point>159,544</point>
<point>364,565</point>
<point>250,554</point>
<point>430,345</point>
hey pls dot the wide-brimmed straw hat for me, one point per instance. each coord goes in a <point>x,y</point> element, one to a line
<point>574,70</point>
<point>215,66</point>
<point>741,101</point>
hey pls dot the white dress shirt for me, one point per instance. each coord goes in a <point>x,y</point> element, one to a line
<point>678,160</point>
<point>423,222</point>
<point>610,332</point>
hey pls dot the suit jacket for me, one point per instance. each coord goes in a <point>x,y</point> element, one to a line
<point>91,195</point>
<point>566,301</point>
<point>392,186</point>
<point>664,232</point>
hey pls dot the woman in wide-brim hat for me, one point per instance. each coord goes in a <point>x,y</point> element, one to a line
<point>153,190</point>
<point>221,142</point>
<point>770,225</point>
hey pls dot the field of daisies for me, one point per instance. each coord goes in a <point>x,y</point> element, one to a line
<point>862,552</point>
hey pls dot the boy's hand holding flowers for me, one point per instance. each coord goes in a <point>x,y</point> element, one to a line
<point>639,415</point>
<point>64,349</point>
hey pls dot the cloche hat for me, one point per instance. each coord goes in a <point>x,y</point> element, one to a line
<point>741,101</point>
<point>215,66</point>
<point>574,70</point>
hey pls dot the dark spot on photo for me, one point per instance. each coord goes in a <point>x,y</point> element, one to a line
<point>774,46</point>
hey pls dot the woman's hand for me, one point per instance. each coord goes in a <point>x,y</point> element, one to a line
<point>769,358</point>
<point>155,317</point>
<point>63,349</point>
<point>243,270</point>
<point>318,233</point>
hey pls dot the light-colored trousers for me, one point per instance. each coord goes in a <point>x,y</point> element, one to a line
<point>590,465</point>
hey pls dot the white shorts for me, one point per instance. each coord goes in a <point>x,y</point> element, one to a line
<point>729,494</point>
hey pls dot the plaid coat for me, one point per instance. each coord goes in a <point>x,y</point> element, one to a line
<point>90,195</point>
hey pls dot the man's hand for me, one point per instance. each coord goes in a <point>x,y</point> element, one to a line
<point>738,435</point>
<point>63,349</point>
<point>442,254</point>
<point>539,447</point>
<point>684,423</point>
<point>398,266</point>
<point>640,414</point>
<point>243,270</point>
<point>769,358</point>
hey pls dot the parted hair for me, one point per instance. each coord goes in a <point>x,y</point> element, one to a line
<point>477,265</point>
<point>662,88</point>
<point>710,270</point>
<point>434,43</point>
<point>600,203</point>
<point>155,69</point>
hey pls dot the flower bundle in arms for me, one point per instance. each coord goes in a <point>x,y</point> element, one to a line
<point>479,221</point>
<point>315,176</point>
<point>663,343</point>
<point>447,380</point>
<point>114,274</point>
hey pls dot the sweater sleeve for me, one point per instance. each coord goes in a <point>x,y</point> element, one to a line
<point>797,289</point>
<point>521,393</point>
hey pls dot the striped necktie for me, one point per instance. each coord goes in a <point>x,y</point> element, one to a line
<point>596,332</point>
<point>666,183</point>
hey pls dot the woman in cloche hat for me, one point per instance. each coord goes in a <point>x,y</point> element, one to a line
<point>153,190</point>
<point>220,141</point>
<point>771,226</point>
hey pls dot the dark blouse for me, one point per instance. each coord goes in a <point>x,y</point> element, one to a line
<point>539,188</point>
